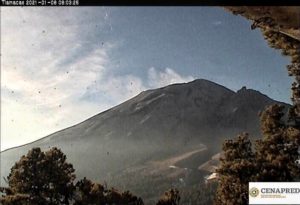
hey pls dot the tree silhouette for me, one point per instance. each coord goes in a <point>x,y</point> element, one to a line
<point>236,170</point>
<point>170,197</point>
<point>44,176</point>
<point>277,151</point>
<point>90,193</point>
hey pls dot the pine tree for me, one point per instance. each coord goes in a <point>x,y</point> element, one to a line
<point>10,198</point>
<point>16,199</point>
<point>236,170</point>
<point>90,193</point>
<point>45,177</point>
<point>170,197</point>
<point>277,151</point>
<point>59,176</point>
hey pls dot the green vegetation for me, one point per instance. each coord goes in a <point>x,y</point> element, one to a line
<point>237,169</point>
<point>46,178</point>
<point>89,192</point>
<point>275,156</point>
<point>274,160</point>
<point>41,177</point>
<point>170,197</point>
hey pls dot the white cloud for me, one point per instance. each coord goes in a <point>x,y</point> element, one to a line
<point>121,88</point>
<point>114,89</point>
<point>54,72</point>
<point>167,77</point>
<point>42,74</point>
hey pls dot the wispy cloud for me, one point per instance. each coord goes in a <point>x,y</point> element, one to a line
<point>48,60</point>
<point>56,71</point>
<point>114,89</point>
<point>166,77</point>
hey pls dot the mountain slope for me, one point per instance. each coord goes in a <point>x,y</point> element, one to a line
<point>135,137</point>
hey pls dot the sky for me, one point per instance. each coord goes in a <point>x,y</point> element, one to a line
<point>60,65</point>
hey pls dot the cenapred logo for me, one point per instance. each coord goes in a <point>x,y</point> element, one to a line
<point>274,193</point>
<point>254,192</point>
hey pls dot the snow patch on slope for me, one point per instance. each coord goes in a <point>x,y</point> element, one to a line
<point>145,119</point>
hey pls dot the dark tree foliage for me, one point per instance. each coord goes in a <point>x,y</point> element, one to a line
<point>44,176</point>
<point>277,151</point>
<point>89,193</point>
<point>275,158</point>
<point>236,170</point>
<point>170,197</point>
<point>13,199</point>
<point>16,199</point>
<point>113,196</point>
<point>290,47</point>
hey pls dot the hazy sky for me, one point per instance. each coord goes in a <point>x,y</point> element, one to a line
<point>60,66</point>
